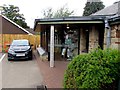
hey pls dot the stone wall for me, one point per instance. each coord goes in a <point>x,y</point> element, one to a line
<point>93,39</point>
<point>115,37</point>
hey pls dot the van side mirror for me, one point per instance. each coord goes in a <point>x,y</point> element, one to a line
<point>31,44</point>
<point>8,45</point>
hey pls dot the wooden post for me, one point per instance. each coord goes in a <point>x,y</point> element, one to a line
<point>52,46</point>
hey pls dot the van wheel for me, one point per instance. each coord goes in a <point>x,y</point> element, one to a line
<point>9,59</point>
<point>30,58</point>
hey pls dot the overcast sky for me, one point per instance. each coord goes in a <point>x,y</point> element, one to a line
<point>33,9</point>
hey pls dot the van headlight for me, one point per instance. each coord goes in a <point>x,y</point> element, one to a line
<point>11,51</point>
<point>29,50</point>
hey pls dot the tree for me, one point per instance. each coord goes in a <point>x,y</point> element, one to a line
<point>12,12</point>
<point>92,7</point>
<point>62,12</point>
<point>48,13</point>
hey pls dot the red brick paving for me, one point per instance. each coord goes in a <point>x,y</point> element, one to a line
<point>52,77</point>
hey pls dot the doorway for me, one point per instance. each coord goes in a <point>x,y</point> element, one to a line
<point>65,41</point>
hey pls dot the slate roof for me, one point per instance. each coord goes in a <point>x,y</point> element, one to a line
<point>113,10</point>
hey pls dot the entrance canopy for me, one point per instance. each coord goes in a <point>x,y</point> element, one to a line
<point>39,23</point>
<point>69,36</point>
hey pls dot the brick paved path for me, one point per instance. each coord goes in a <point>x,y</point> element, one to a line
<point>52,77</point>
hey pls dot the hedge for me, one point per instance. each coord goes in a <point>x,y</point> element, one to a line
<point>97,70</point>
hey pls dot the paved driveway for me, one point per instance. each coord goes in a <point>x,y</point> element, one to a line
<point>20,74</point>
<point>0,55</point>
<point>0,75</point>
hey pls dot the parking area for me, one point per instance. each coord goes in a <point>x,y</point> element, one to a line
<point>32,73</point>
<point>0,75</point>
<point>20,74</point>
<point>1,55</point>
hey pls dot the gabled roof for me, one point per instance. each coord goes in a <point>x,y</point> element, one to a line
<point>16,24</point>
<point>112,10</point>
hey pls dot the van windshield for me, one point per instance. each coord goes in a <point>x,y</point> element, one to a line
<point>20,43</point>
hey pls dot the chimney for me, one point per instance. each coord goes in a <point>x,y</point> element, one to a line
<point>116,2</point>
<point>93,1</point>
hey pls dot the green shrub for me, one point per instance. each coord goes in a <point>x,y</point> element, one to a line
<point>93,70</point>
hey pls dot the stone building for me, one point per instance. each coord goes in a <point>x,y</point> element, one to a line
<point>112,14</point>
<point>115,32</point>
<point>84,33</point>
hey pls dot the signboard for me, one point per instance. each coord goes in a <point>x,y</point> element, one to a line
<point>41,51</point>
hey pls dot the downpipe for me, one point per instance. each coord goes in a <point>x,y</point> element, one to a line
<point>119,85</point>
<point>108,39</point>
